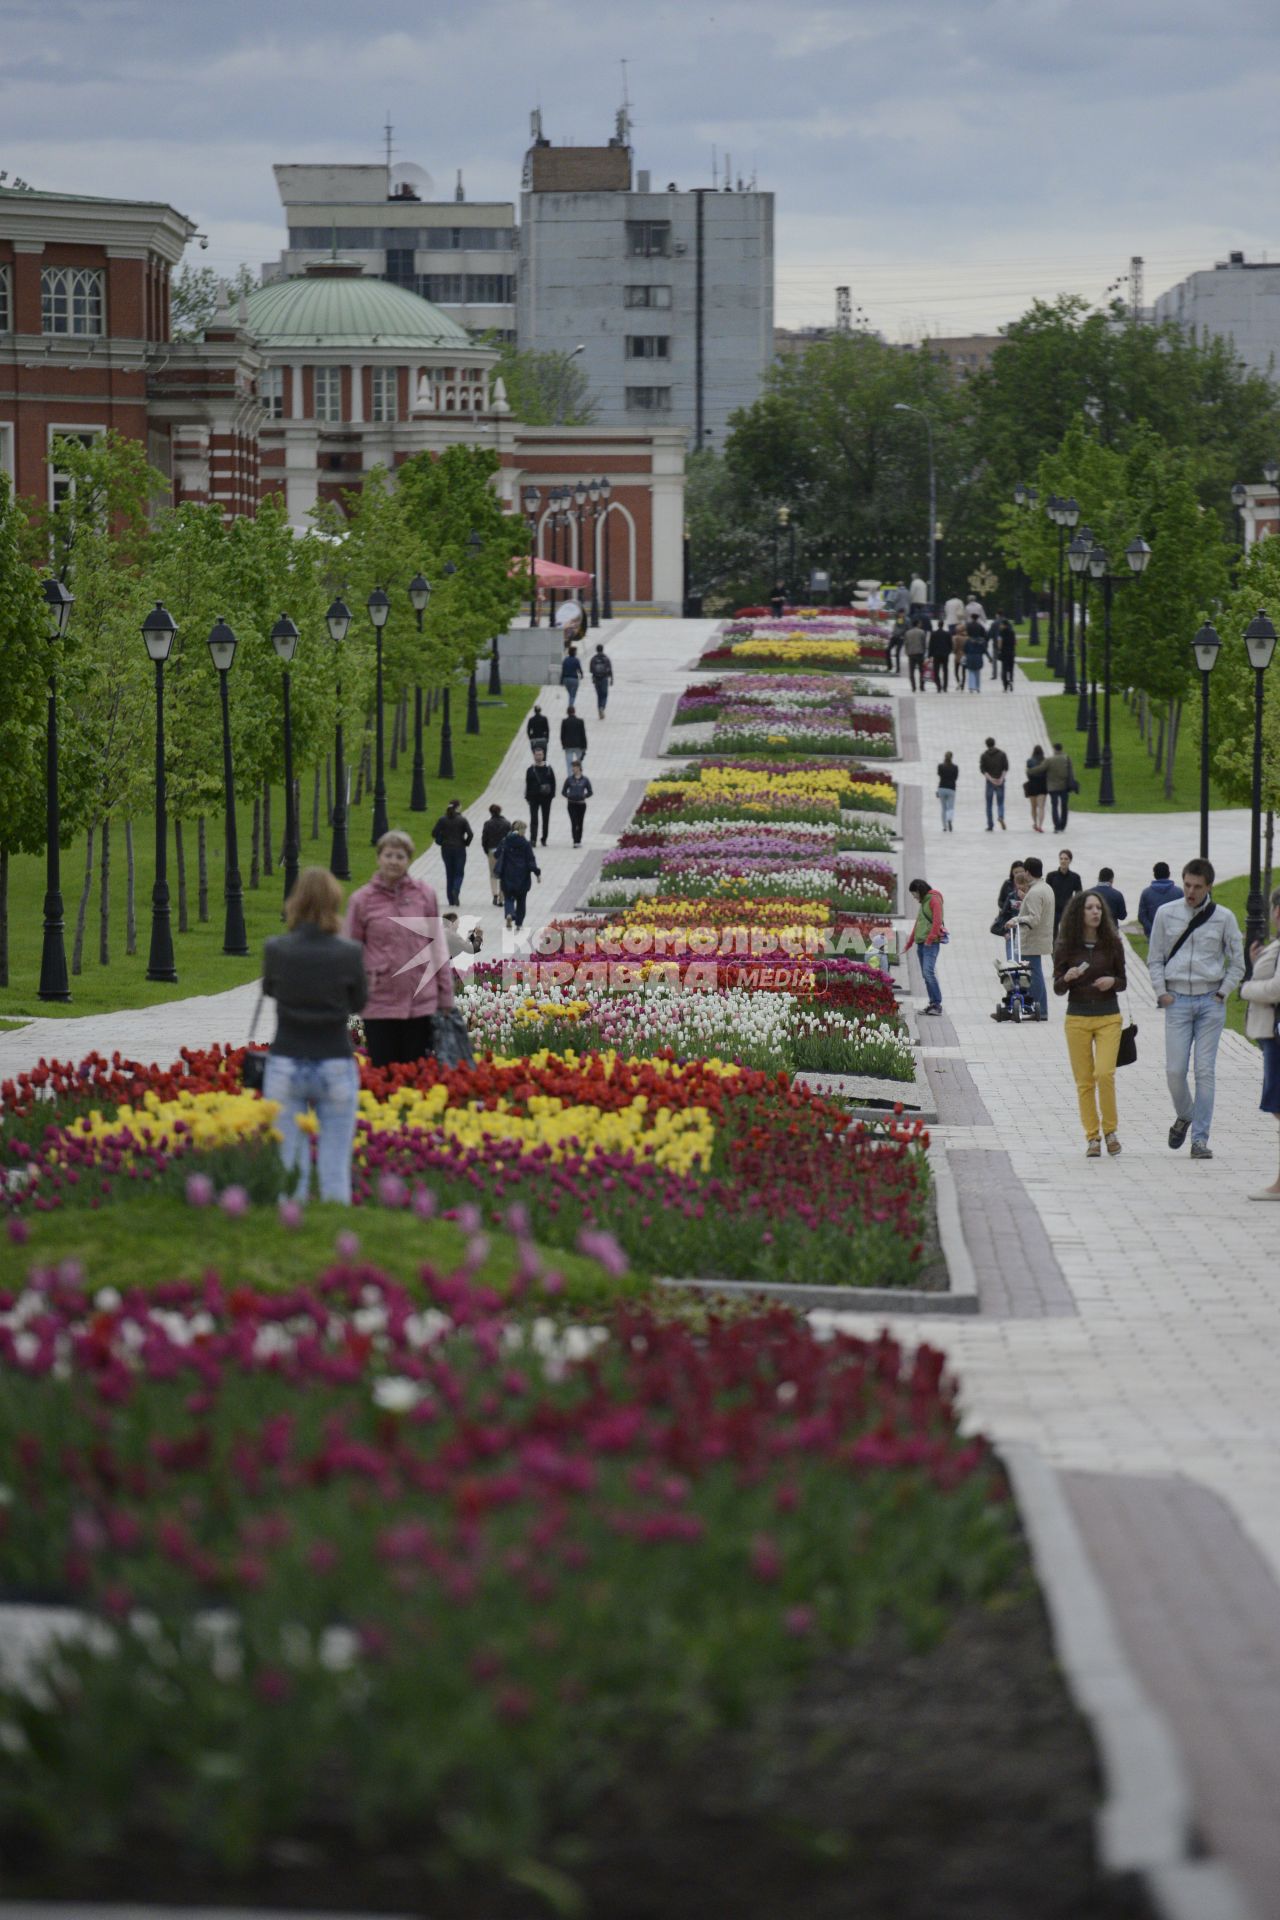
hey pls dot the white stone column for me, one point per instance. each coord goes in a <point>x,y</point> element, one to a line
<point>302,480</point>
<point>295,410</point>
<point>666,492</point>
<point>357,394</point>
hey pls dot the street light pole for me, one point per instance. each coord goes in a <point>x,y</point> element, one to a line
<point>445,769</point>
<point>1260,640</point>
<point>338,621</point>
<point>378,606</point>
<point>532,496</point>
<point>419,595</point>
<point>158,631</point>
<point>222,648</point>
<point>474,544</point>
<point>901,406</point>
<point>284,638</point>
<point>1137,553</point>
<point>1070,515</point>
<point>59,601</point>
<point>593,495</point>
<point>606,494</point>
<point>1205,646</point>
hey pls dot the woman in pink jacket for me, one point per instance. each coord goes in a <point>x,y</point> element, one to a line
<point>406,966</point>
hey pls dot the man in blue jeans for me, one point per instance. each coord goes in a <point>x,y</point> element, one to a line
<point>994,767</point>
<point>1035,920</point>
<point>452,834</point>
<point>1196,960</point>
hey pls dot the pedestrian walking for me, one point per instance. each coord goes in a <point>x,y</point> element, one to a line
<point>452,834</point>
<point>1060,779</point>
<point>1088,966</point>
<point>317,980</point>
<point>577,791</point>
<point>778,601</point>
<point>402,997</point>
<point>915,643</point>
<point>1036,787</point>
<point>1063,882</point>
<point>1261,991</point>
<point>538,728</point>
<point>601,668</point>
<point>897,640</point>
<point>571,674</point>
<point>975,653</point>
<point>953,612</point>
<point>517,863</point>
<point>492,834</point>
<point>940,655</point>
<point>1010,897</point>
<point>1157,895</point>
<point>948,774</point>
<point>994,768</point>
<point>539,792</point>
<point>1035,918</point>
<point>958,639</point>
<point>919,607</point>
<point>927,936</point>
<point>573,738</point>
<point>1196,960</point>
<point>1105,884</point>
<point>1004,644</point>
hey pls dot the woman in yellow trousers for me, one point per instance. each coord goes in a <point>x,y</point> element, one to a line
<point>1088,966</point>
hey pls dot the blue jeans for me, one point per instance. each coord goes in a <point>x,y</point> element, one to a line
<point>995,793</point>
<point>455,865</point>
<point>1192,1029</point>
<point>929,968</point>
<point>947,798</point>
<point>1035,962</point>
<point>331,1087</point>
<point>513,904</point>
<point>974,678</point>
<point>602,694</point>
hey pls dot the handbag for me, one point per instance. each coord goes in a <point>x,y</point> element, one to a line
<point>450,1040</point>
<point>1127,1051</point>
<point>253,1067</point>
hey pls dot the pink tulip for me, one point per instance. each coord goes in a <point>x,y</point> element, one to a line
<point>234,1202</point>
<point>348,1245</point>
<point>199,1190</point>
<point>18,1230</point>
<point>290,1213</point>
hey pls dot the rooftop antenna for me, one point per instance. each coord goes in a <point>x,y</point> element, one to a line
<point>1135,287</point>
<point>624,111</point>
<point>844,310</point>
<point>714,175</point>
<point>458,193</point>
<point>387,132</point>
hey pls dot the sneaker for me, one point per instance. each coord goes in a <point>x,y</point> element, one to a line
<point>1002,826</point>
<point>1094,1150</point>
<point>1201,1150</point>
<point>1178,1133</point>
<point>1113,1144</point>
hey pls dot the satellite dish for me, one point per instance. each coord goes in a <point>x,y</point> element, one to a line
<point>406,173</point>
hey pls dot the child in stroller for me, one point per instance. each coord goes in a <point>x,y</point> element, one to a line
<point>1014,974</point>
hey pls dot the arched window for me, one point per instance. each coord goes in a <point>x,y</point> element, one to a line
<point>6,306</point>
<point>71,300</point>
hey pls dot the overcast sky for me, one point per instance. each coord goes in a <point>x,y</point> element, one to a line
<point>946,159</point>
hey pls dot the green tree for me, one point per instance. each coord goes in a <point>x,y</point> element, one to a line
<point>25,658</point>
<point>1231,706</point>
<point>193,297</point>
<point>544,389</point>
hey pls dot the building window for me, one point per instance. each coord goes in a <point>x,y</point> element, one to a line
<point>648,346</point>
<point>491,289</point>
<point>328,394</point>
<point>648,297</point>
<point>648,399</point>
<point>271,392</point>
<point>386,398</point>
<point>446,289</point>
<point>6,309</point>
<point>648,239</point>
<point>61,485</point>
<point>71,300</point>
<point>400,268</point>
<point>6,450</point>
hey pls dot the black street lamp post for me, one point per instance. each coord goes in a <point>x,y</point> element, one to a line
<point>1137,553</point>
<point>378,606</point>
<point>284,638</point>
<point>222,648</point>
<point>606,495</point>
<point>1239,495</point>
<point>338,621</point>
<point>1260,640</point>
<point>59,601</point>
<point>1053,507</point>
<point>419,595</point>
<point>158,632</point>
<point>445,770</point>
<point>474,544</point>
<point>1205,646</point>
<point>1069,515</point>
<point>593,495</point>
<point>532,497</point>
<point>552,522</point>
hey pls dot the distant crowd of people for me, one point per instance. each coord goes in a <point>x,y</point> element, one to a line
<point>952,647</point>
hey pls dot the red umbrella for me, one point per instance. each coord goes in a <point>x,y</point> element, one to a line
<point>549,573</point>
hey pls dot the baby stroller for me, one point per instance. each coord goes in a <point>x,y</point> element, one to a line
<point>1015,978</point>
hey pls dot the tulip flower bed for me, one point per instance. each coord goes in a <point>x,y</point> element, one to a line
<point>682,1163</point>
<point>781,714</point>
<point>831,980</point>
<point>405,1583</point>
<point>812,791</point>
<point>799,643</point>
<point>651,848</point>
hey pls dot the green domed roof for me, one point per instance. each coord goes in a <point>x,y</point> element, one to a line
<point>348,309</point>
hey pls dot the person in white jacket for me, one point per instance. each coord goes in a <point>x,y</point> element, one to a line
<point>1261,992</point>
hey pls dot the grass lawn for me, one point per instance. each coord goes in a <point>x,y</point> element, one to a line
<point>202,965</point>
<point>1139,788</point>
<point>1227,893</point>
<point>154,1237</point>
<point>1036,667</point>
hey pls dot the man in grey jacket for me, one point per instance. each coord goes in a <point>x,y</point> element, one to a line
<point>1035,918</point>
<point>1196,960</point>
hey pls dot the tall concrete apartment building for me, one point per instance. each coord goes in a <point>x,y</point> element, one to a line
<point>458,254</point>
<point>1237,299</point>
<point>669,294</point>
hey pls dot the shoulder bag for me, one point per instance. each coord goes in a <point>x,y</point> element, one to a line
<point>1127,1052</point>
<point>450,1040</point>
<point>253,1068</point>
<point>1200,919</point>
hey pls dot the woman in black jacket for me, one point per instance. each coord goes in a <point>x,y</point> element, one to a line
<point>940,654</point>
<point>515,867</point>
<point>1088,966</point>
<point>1036,786</point>
<point>317,982</point>
<point>948,774</point>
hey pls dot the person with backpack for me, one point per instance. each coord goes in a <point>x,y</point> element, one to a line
<point>573,738</point>
<point>577,791</point>
<point>601,669</point>
<point>539,792</point>
<point>928,936</point>
<point>975,654</point>
<point>1196,961</point>
<point>492,834</point>
<point>516,865</point>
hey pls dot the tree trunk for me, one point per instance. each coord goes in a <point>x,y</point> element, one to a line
<point>1160,736</point>
<point>1171,747</point>
<point>255,844</point>
<point>328,789</point>
<point>4,916</point>
<point>266,827</point>
<point>315,804</point>
<point>180,867</point>
<point>395,737</point>
<point>82,911</point>
<point>130,899</point>
<point>104,895</point>
<point>202,870</point>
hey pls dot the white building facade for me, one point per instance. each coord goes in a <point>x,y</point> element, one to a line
<point>1237,299</point>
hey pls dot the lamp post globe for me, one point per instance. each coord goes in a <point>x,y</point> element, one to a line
<point>378,607</point>
<point>222,651</point>
<point>58,600</point>
<point>1260,645</point>
<point>1206,647</point>
<point>159,630</point>
<point>419,596</point>
<point>338,620</point>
